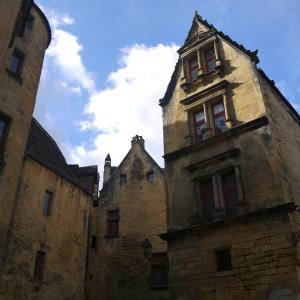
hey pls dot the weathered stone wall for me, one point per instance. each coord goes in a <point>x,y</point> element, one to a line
<point>263,256</point>
<point>118,269</point>
<point>17,101</point>
<point>62,235</point>
<point>285,129</point>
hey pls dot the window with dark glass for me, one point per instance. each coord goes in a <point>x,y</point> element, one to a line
<point>193,68</point>
<point>39,267</point>
<point>219,117</point>
<point>159,270</point>
<point>96,203</point>
<point>48,203</point>
<point>199,123</point>
<point>113,218</point>
<point>150,176</point>
<point>210,59</point>
<point>16,62</point>
<point>223,259</point>
<point>230,193</point>
<point>123,179</point>
<point>3,134</point>
<point>94,242</point>
<point>207,199</point>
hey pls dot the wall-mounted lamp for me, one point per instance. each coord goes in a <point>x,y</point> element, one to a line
<point>146,248</point>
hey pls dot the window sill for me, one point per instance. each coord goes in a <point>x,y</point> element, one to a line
<point>226,273</point>
<point>15,76</point>
<point>157,287</point>
<point>111,236</point>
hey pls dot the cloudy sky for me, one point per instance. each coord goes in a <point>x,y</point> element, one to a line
<point>110,62</point>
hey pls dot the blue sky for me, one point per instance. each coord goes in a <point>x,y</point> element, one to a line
<point>110,61</point>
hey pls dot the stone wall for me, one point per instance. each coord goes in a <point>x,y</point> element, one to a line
<point>62,236</point>
<point>17,99</point>
<point>118,269</point>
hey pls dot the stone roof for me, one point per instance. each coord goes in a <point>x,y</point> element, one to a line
<point>42,148</point>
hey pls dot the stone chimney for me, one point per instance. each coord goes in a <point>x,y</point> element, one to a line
<point>107,168</point>
<point>138,139</point>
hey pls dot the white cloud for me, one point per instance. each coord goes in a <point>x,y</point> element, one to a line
<point>129,105</point>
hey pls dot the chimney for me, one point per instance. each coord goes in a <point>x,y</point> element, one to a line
<point>107,168</point>
<point>138,139</point>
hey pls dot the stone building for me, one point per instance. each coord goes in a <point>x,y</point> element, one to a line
<point>232,167</point>
<point>45,203</point>
<point>24,37</point>
<point>129,215</point>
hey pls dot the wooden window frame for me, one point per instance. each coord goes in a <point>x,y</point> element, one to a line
<point>113,220</point>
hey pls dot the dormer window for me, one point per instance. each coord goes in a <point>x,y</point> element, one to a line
<point>209,59</point>
<point>219,118</point>
<point>193,68</point>
<point>199,123</point>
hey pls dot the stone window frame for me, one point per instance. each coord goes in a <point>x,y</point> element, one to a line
<point>205,103</point>
<point>16,74</point>
<point>219,268</point>
<point>160,260</point>
<point>219,202</point>
<point>198,52</point>
<point>48,203</point>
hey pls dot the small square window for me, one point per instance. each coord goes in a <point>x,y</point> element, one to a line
<point>96,203</point>
<point>16,62</point>
<point>39,267</point>
<point>223,258</point>
<point>123,179</point>
<point>48,203</point>
<point>150,176</point>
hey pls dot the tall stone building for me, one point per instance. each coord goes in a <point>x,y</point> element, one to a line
<point>232,167</point>
<point>129,217</point>
<point>24,37</point>
<point>45,203</point>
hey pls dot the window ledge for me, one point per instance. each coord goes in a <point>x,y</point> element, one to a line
<point>15,76</point>
<point>111,236</point>
<point>158,287</point>
<point>226,273</point>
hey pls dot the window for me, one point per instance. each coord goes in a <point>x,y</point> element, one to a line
<point>96,203</point>
<point>199,124</point>
<point>48,203</point>
<point>218,111</point>
<point>94,242</point>
<point>113,218</point>
<point>159,270</point>
<point>223,259</point>
<point>38,273</point>
<point>16,62</point>
<point>3,134</point>
<point>207,199</point>
<point>221,194</point>
<point>230,193</point>
<point>209,59</point>
<point>123,179</point>
<point>29,22</point>
<point>150,176</point>
<point>209,118</point>
<point>193,68</point>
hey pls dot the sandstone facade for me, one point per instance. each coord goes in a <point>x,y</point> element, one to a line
<point>136,191</point>
<point>232,173</point>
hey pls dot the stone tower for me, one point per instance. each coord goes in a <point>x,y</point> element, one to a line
<point>231,143</point>
<point>24,37</point>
